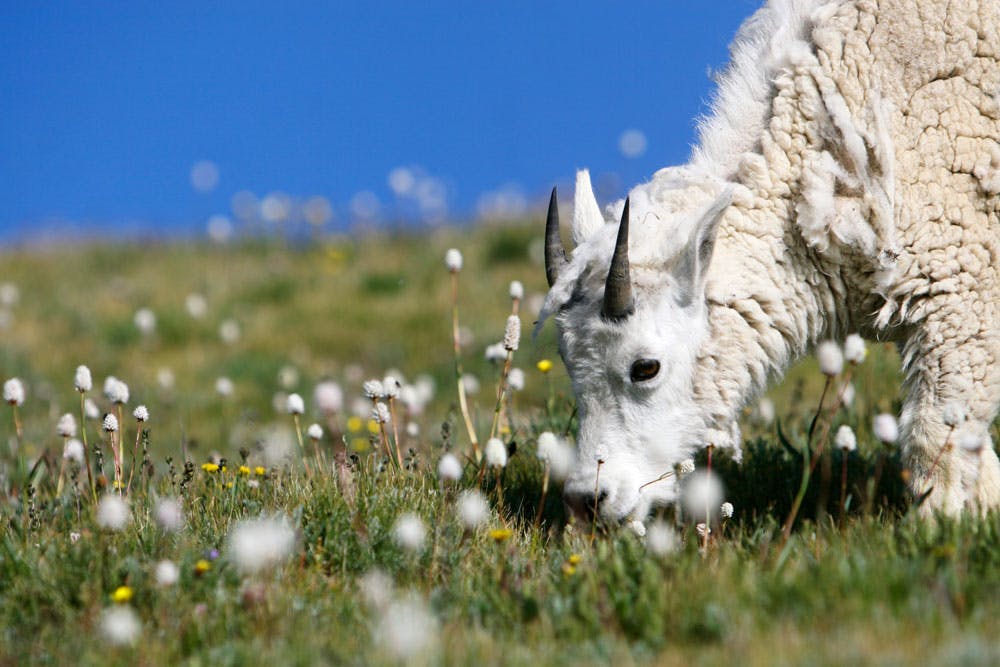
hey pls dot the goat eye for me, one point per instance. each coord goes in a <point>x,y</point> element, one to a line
<point>644,369</point>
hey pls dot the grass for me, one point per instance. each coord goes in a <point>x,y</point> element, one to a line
<point>883,588</point>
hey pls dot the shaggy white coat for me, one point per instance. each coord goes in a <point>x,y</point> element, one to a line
<point>858,143</point>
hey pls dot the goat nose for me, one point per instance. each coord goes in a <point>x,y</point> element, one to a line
<point>585,506</point>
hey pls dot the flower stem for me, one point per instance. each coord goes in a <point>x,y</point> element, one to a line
<point>808,464</point>
<point>86,447</point>
<point>541,502</point>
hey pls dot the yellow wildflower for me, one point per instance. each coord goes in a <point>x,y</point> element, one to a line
<point>122,594</point>
<point>501,534</point>
<point>373,426</point>
<point>544,365</point>
<point>223,468</point>
<point>568,570</point>
<point>574,559</point>
<point>354,424</point>
<point>210,467</point>
<point>202,566</point>
<point>259,471</point>
<point>244,470</point>
<point>360,445</point>
<point>229,485</point>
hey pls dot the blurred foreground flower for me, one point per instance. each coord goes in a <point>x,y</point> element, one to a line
<point>120,625</point>
<point>113,513</point>
<point>409,532</point>
<point>261,543</point>
<point>473,510</point>
<point>167,573</point>
<point>407,628</point>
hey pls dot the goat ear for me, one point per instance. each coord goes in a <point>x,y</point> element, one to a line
<point>587,217</point>
<point>696,256</point>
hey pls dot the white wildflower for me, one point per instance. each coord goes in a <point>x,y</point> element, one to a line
<point>637,527</point>
<point>165,378</point>
<point>703,530</point>
<point>453,260</point>
<point>765,410</point>
<point>831,358</point>
<point>258,544</point>
<point>407,629</point>
<point>145,321</point>
<point>425,388</point>
<point>473,510</point>
<point>288,377</point>
<point>702,494</point>
<point>953,414</point>
<point>380,413</point>
<point>73,451</point>
<point>141,413</point>
<point>83,380</point>
<point>13,391</point>
<point>373,389</point>
<point>110,423</point>
<point>196,305</point>
<point>413,429</point>
<point>847,395</point>
<point>495,353</point>
<point>167,573</point>
<point>10,294</point>
<point>496,453</point>
<point>409,532</point>
<point>854,349</point>
<point>515,379</point>
<point>120,625</point>
<point>116,391</point>
<point>557,453</point>
<point>726,510</point>
<point>661,539</point>
<point>224,387</point>
<point>685,467</point>
<point>329,397</point>
<point>471,384</point>
<point>845,439</point>
<point>512,333</point>
<point>449,468</point>
<point>295,405</point>
<point>886,428</point>
<point>390,386</point>
<point>113,513</point>
<point>516,290</point>
<point>315,431</point>
<point>90,409</point>
<point>66,427</point>
<point>229,332</point>
<point>169,514</point>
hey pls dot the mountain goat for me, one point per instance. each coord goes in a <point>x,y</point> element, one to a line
<point>847,179</point>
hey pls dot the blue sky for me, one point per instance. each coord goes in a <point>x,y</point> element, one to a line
<point>107,106</point>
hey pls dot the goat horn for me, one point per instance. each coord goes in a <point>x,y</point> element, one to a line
<point>618,288</point>
<point>555,251</point>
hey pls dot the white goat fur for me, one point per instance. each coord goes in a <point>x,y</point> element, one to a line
<point>858,141</point>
